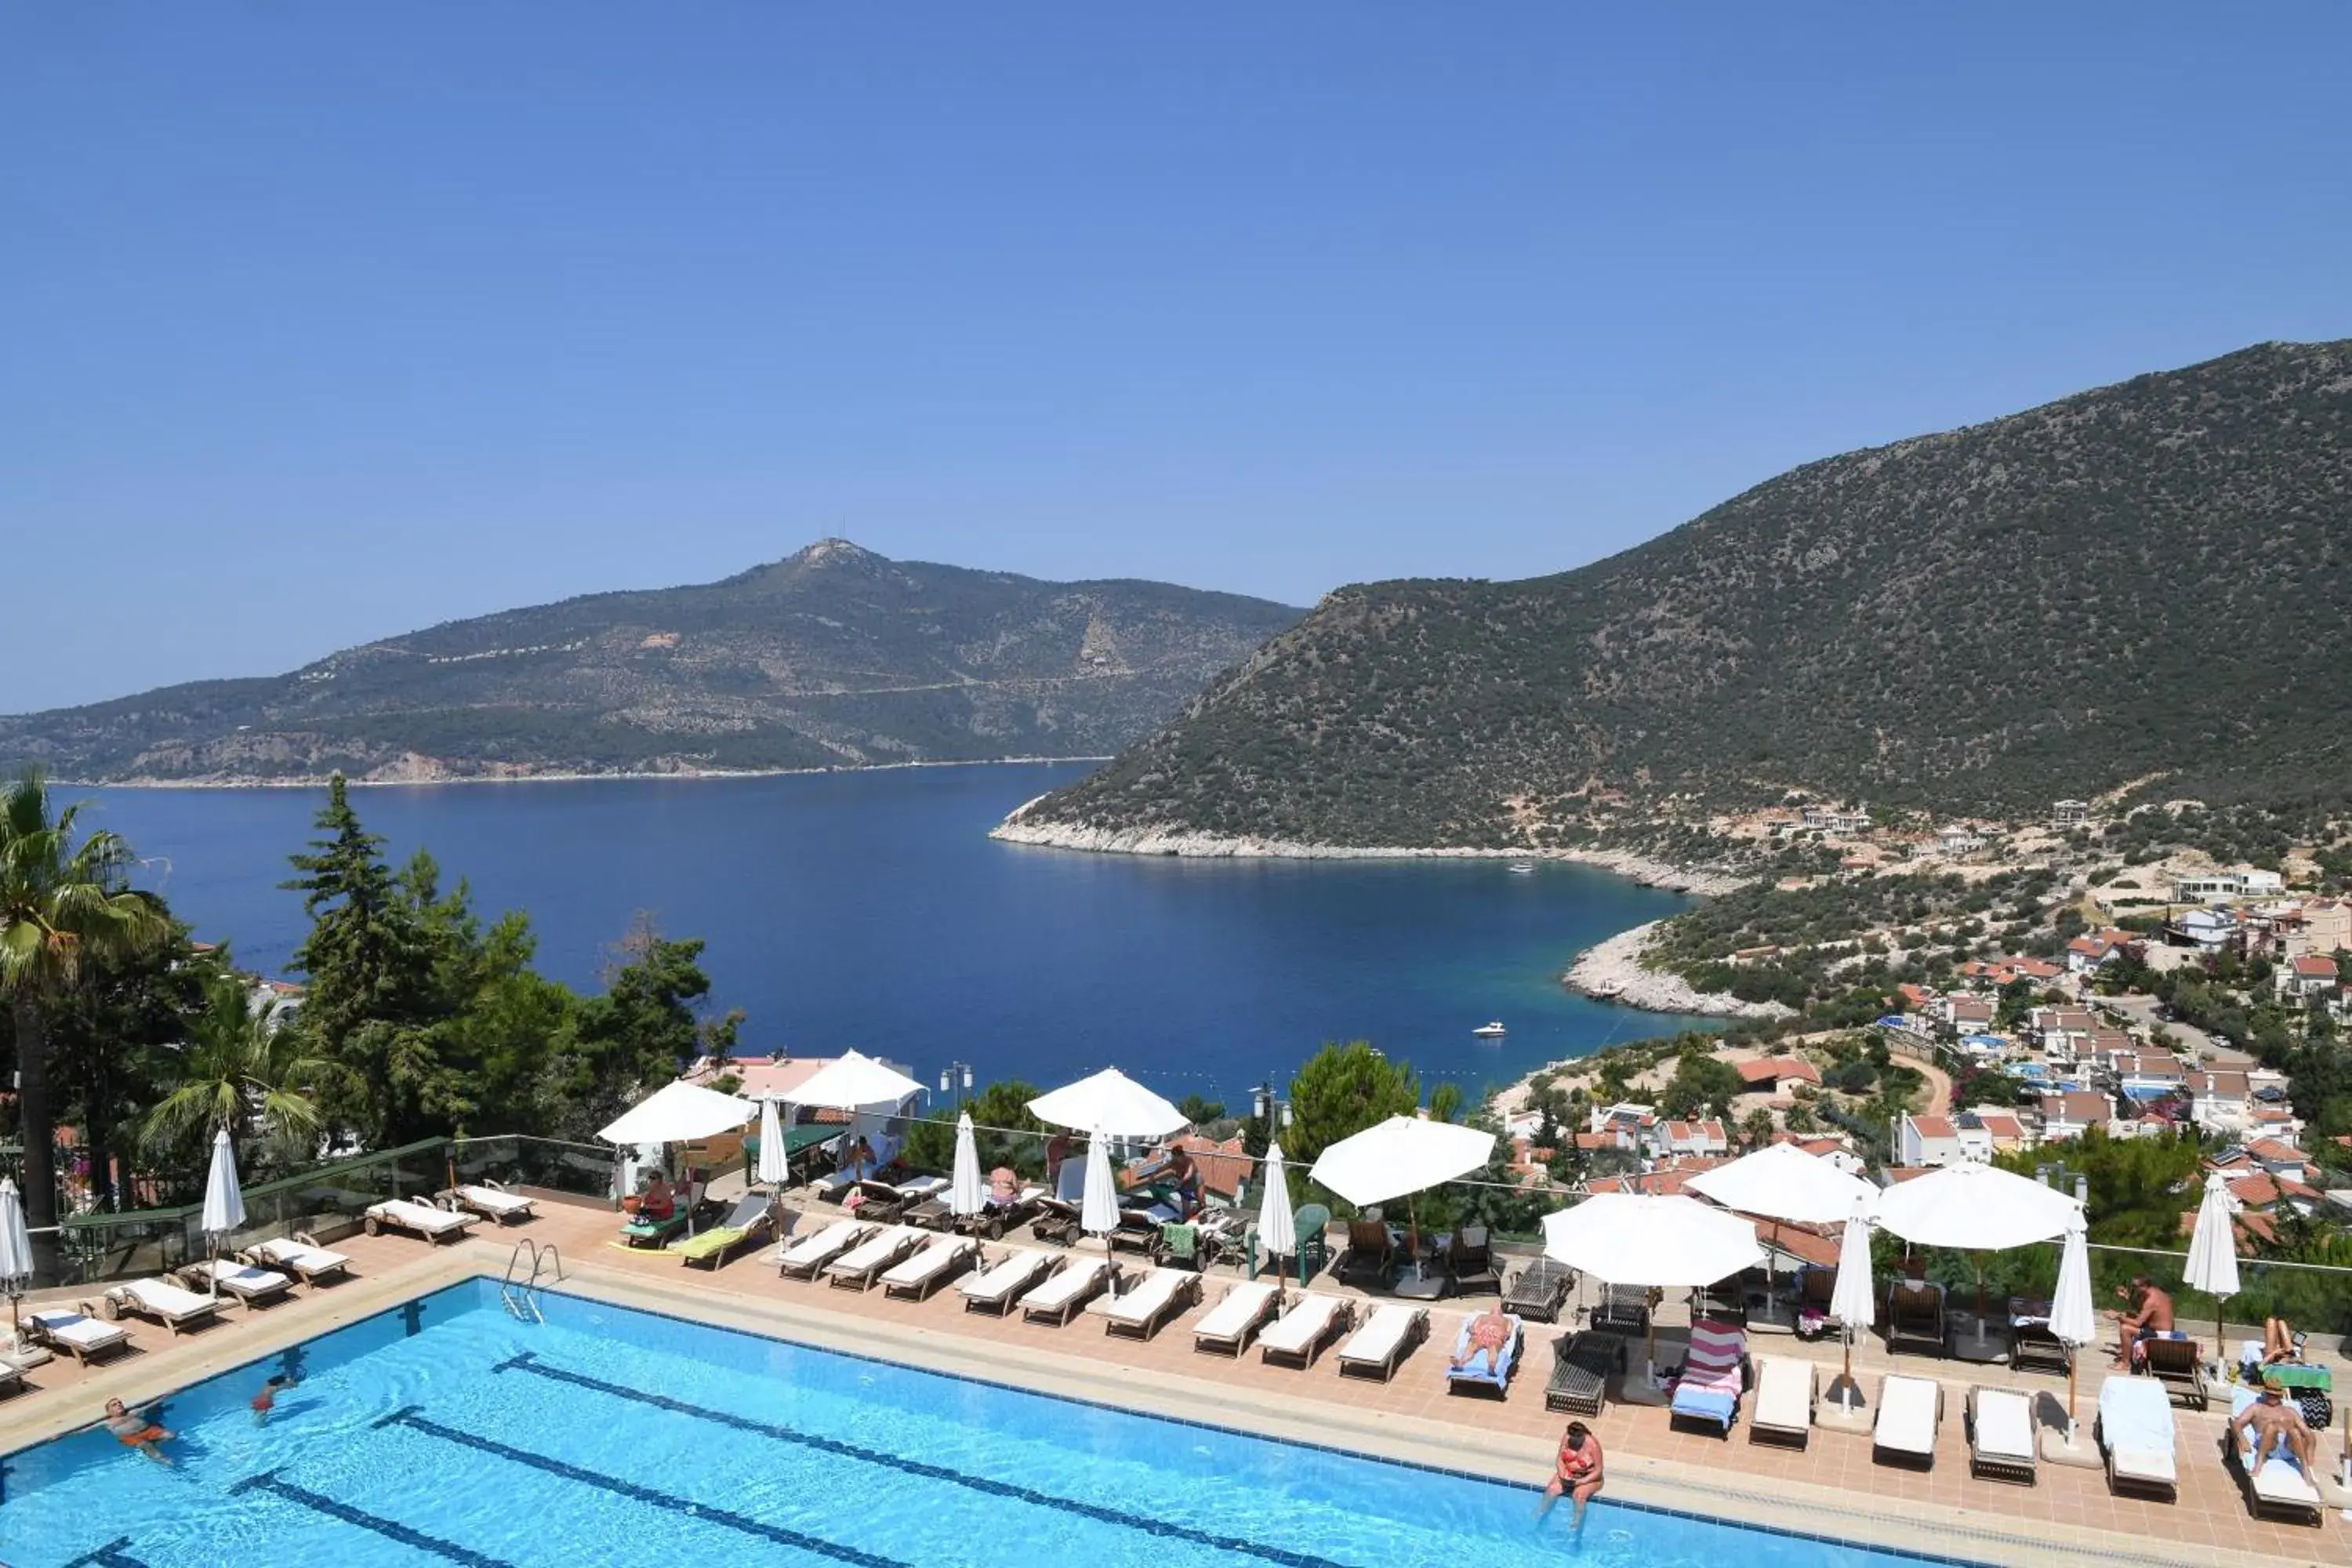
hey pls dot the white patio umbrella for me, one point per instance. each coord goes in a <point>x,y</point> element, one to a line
<point>1636,1238</point>
<point>2073,1318</point>
<point>1098,1213</point>
<point>853,1081</point>
<point>1854,1299</point>
<point>1399,1157</point>
<point>224,1200</point>
<point>775,1159</point>
<point>16,1251</point>
<point>678,1113</point>
<point>1975,1208</point>
<point>1782,1181</point>
<point>2213,1252</point>
<point>1112,1103</point>
<point>965,1195</point>
<point>1277,1227</point>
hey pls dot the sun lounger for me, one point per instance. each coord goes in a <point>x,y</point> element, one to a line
<point>177,1309</point>
<point>941,1258</point>
<point>1471,1261</point>
<point>305,1260</point>
<point>2000,1435</point>
<point>1302,1333</point>
<point>2135,1432</point>
<point>1374,1350</point>
<point>2278,1485</point>
<point>2179,1364</point>
<point>1242,1311</point>
<point>887,1202</point>
<point>79,1334</point>
<point>997,1286</point>
<point>990,1224</point>
<point>806,1257</point>
<point>1910,1409</point>
<point>417,1218</point>
<point>25,1355</point>
<point>1623,1310</point>
<point>1473,1377</point>
<point>1140,1313</point>
<point>1581,1365</point>
<point>1057,1222</point>
<point>1714,1376</point>
<point>1915,1316</point>
<point>1786,1389</point>
<point>2030,1343</point>
<point>1371,1250</point>
<point>751,1222</point>
<point>1539,1291</point>
<point>242,1281</point>
<point>492,1201</point>
<point>858,1269</point>
<point>1061,1297</point>
<point>1138,1231</point>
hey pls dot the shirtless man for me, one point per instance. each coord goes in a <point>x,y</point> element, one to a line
<point>2151,1314</point>
<point>135,1432</point>
<point>1577,1473</point>
<point>2278,1427</point>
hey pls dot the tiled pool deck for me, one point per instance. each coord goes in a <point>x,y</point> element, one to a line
<point>1833,1487</point>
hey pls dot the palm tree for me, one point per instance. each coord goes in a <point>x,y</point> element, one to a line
<point>243,1072</point>
<point>60,903</point>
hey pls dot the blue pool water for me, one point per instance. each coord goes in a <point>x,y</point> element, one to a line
<point>449,1432</point>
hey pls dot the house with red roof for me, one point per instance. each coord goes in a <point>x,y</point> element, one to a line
<point>2074,1111</point>
<point>1770,1075</point>
<point>2313,975</point>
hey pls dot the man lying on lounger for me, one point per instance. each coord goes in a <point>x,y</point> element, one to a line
<point>1576,1473</point>
<point>137,1433</point>
<point>1490,1331</point>
<point>2279,1430</point>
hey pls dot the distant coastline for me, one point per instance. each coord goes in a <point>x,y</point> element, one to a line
<point>319,780</point>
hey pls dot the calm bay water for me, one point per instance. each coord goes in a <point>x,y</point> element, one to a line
<point>871,909</point>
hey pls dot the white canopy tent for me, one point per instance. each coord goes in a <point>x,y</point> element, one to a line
<point>224,1200</point>
<point>1975,1208</point>
<point>2213,1252</point>
<point>1399,1157</point>
<point>1277,1227</point>
<point>1109,1102</point>
<point>1666,1243</point>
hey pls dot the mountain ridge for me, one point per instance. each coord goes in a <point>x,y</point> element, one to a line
<point>831,656</point>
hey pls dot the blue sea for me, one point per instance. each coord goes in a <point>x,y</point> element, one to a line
<point>872,910</point>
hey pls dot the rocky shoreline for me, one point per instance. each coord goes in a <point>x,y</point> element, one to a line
<point>437,775</point>
<point>1648,872</point>
<point>1613,971</point>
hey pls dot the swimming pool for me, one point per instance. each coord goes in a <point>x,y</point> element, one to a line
<point>449,1431</point>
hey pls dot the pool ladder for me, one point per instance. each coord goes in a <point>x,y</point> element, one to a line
<point>520,1294</point>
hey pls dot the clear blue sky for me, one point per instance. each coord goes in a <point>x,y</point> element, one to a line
<point>324,322</point>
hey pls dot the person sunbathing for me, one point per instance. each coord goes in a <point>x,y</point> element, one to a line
<point>2280,1341</point>
<point>1004,1187</point>
<point>1490,1331</point>
<point>137,1433</point>
<point>2279,1430</point>
<point>1576,1473</point>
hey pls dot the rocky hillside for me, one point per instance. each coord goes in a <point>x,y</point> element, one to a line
<point>834,657</point>
<point>2140,586</point>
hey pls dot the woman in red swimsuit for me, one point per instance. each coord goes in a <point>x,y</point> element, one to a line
<point>1576,1473</point>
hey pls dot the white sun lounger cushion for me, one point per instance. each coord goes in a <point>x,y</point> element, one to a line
<point>1301,1326</point>
<point>1784,1394</point>
<point>1379,1338</point>
<point>1006,1275</point>
<point>294,1254</point>
<point>2136,1423</point>
<point>2004,1424</point>
<point>73,1329</point>
<point>492,1198</point>
<point>1068,1286</point>
<point>1906,1414</point>
<point>824,1244</point>
<point>944,1251</point>
<point>162,1295</point>
<point>419,1216</point>
<point>1242,1304</point>
<point>243,1275</point>
<point>1146,1300</point>
<point>874,1251</point>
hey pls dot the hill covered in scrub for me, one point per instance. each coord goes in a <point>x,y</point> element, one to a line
<point>833,657</point>
<point>2142,587</point>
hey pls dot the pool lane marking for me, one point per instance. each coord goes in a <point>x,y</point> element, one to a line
<point>528,1361</point>
<point>407,1416</point>
<point>110,1555</point>
<point>392,1530</point>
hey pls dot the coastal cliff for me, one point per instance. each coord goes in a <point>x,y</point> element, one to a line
<point>1613,971</point>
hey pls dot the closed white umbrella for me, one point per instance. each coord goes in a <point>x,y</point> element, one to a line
<point>1277,1227</point>
<point>775,1158</point>
<point>1782,1181</point>
<point>1098,1211</point>
<point>2073,1318</point>
<point>1399,1157</point>
<point>965,1195</point>
<point>1854,1299</point>
<point>1112,1103</point>
<point>16,1250</point>
<point>223,1199</point>
<point>2213,1251</point>
<point>1975,1208</point>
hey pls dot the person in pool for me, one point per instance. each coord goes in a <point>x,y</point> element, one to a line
<point>267,1400</point>
<point>1576,1473</point>
<point>135,1432</point>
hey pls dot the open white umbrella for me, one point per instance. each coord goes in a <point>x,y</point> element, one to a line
<point>1399,1157</point>
<point>1782,1181</point>
<point>775,1159</point>
<point>965,1195</point>
<point>852,1081</point>
<point>1112,1103</point>
<point>2213,1251</point>
<point>2073,1318</point>
<point>1853,1298</point>
<point>223,1199</point>
<point>678,1113</point>
<point>1098,1213</point>
<point>1277,1227</point>
<point>1636,1238</point>
<point>16,1251</point>
<point>1975,1208</point>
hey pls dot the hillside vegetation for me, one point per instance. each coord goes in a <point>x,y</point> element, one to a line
<point>2140,585</point>
<point>834,658</point>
